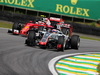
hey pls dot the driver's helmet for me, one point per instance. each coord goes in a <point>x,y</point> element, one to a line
<point>43,16</point>
<point>40,23</point>
<point>45,19</point>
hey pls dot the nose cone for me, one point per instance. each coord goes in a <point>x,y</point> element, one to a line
<point>23,32</point>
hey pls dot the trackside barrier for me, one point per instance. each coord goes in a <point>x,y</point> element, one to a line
<point>80,28</point>
<point>15,17</point>
<point>85,29</point>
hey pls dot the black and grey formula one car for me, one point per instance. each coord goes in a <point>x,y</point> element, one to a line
<point>53,39</point>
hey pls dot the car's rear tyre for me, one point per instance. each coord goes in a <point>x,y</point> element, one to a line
<point>31,39</point>
<point>16,26</point>
<point>61,42</point>
<point>75,42</point>
<point>65,30</point>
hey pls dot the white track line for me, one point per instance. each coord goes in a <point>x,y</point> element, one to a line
<point>3,28</point>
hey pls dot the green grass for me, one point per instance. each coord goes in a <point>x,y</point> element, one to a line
<point>98,68</point>
<point>90,38</point>
<point>4,24</point>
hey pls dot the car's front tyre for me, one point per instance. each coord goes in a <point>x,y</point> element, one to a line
<point>31,39</point>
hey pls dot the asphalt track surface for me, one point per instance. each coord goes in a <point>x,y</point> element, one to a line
<point>18,59</point>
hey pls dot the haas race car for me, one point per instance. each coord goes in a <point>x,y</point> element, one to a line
<point>59,39</point>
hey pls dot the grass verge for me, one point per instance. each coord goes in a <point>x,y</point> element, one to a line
<point>98,68</point>
<point>5,24</point>
<point>90,38</point>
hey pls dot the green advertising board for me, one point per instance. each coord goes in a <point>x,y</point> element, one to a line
<point>88,9</point>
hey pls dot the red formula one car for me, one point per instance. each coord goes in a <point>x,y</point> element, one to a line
<point>23,29</point>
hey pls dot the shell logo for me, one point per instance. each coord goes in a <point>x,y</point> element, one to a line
<point>74,2</point>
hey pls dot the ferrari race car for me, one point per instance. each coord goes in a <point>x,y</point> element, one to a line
<point>23,29</point>
<point>19,28</point>
<point>53,39</point>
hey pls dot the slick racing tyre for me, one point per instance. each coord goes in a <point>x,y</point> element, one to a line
<point>61,43</point>
<point>75,42</point>
<point>31,39</point>
<point>31,35</point>
<point>65,30</point>
<point>16,26</point>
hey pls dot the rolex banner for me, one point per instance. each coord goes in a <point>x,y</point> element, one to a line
<point>89,9</point>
